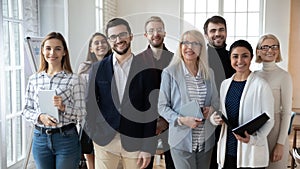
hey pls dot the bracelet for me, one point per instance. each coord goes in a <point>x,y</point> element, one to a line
<point>179,122</point>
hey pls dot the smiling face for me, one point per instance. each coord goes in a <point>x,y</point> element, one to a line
<point>240,58</point>
<point>53,52</point>
<point>155,34</point>
<point>99,46</point>
<point>190,48</point>
<point>119,39</point>
<point>270,54</point>
<point>216,34</point>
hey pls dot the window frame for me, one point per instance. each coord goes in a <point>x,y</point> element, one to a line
<point>221,12</point>
<point>15,69</point>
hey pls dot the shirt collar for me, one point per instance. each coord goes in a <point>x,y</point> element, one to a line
<point>43,73</point>
<point>115,61</point>
<point>186,71</point>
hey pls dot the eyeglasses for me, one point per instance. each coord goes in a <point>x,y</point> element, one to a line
<point>158,31</point>
<point>267,47</point>
<point>121,35</point>
<point>193,44</point>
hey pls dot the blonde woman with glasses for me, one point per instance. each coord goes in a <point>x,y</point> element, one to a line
<point>268,53</point>
<point>189,79</point>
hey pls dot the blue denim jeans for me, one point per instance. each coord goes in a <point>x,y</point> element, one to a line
<point>56,151</point>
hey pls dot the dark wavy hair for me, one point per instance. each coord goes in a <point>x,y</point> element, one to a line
<point>241,43</point>
<point>216,20</point>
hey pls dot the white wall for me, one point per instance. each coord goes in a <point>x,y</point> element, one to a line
<point>277,21</point>
<point>75,19</point>
<point>139,11</point>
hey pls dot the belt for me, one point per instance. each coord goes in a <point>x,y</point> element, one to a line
<point>50,131</point>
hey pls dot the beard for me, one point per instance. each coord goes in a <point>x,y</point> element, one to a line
<point>121,52</point>
<point>157,45</point>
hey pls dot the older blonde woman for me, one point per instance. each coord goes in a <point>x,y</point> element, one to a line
<point>268,53</point>
<point>188,78</point>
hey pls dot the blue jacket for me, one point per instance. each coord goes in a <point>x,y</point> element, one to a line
<point>173,94</point>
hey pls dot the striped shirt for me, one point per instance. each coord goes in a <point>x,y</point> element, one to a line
<point>69,86</point>
<point>197,90</point>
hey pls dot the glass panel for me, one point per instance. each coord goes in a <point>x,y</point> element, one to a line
<point>8,94</point>
<point>213,6</point>
<point>253,24</point>
<point>16,29</point>
<point>253,5</point>
<point>230,22</point>
<point>5,8</point>
<point>101,3</point>
<point>229,41</point>
<point>6,52</point>
<point>19,90</point>
<point>253,42</point>
<point>241,24</point>
<point>241,5</point>
<point>15,7</point>
<point>19,137</point>
<point>9,140</point>
<point>200,20</point>
<point>189,6</point>
<point>229,5</point>
<point>201,5</point>
<point>189,18</point>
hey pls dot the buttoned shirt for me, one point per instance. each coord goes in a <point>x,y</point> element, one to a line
<point>197,91</point>
<point>121,72</point>
<point>67,85</point>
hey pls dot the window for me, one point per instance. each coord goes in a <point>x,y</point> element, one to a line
<point>99,15</point>
<point>244,17</point>
<point>12,80</point>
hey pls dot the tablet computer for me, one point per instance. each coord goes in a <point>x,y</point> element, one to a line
<point>46,103</point>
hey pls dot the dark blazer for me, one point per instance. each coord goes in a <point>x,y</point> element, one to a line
<point>131,117</point>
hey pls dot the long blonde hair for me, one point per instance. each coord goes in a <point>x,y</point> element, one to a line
<point>202,59</point>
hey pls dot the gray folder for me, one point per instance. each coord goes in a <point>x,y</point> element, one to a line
<point>191,109</point>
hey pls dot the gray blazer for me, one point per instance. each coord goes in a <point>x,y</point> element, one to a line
<point>173,94</point>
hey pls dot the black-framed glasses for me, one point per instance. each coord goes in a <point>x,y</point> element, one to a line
<point>193,44</point>
<point>267,47</point>
<point>158,31</point>
<point>121,35</point>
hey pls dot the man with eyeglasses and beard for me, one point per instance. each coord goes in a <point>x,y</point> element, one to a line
<point>157,57</point>
<point>118,122</point>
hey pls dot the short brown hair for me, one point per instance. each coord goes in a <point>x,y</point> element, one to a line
<point>154,19</point>
<point>216,20</point>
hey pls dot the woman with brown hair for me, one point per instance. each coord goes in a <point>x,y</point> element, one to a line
<point>55,141</point>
